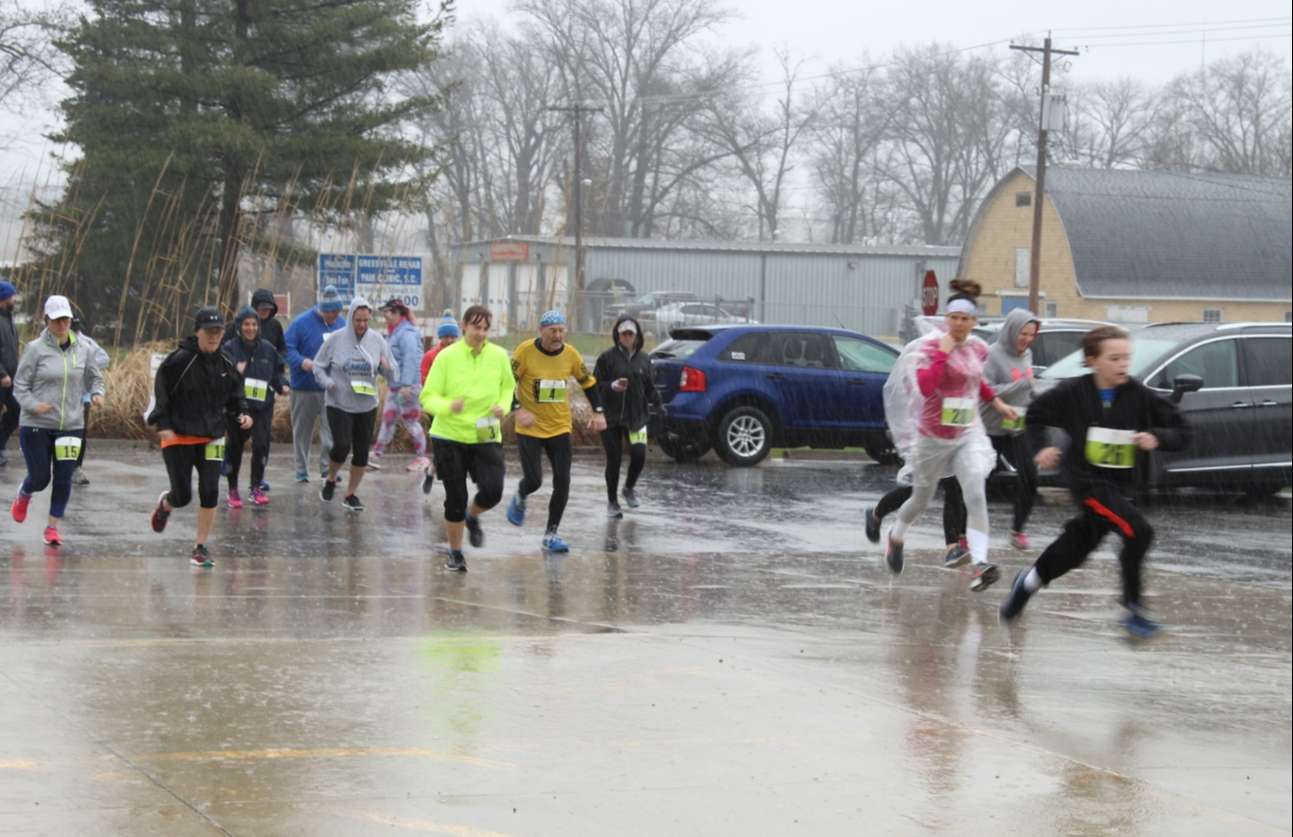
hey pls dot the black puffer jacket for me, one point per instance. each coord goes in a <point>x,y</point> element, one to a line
<point>196,392</point>
<point>628,409</point>
<point>271,329</point>
<point>8,345</point>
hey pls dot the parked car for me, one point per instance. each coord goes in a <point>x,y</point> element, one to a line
<point>1234,386</point>
<point>1056,338</point>
<point>649,302</point>
<point>744,389</point>
<point>681,314</point>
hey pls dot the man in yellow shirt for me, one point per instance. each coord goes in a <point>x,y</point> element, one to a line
<point>467,393</point>
<point>542,368</point>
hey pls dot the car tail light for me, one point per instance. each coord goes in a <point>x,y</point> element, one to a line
<point>693,380</point>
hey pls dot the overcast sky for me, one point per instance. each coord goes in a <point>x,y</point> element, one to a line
<point>1153,42</point>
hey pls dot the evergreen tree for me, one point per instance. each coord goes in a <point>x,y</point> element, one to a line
<point>192,115</point>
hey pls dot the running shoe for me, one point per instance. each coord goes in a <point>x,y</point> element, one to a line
<point>475,535</point>
<point>516,511</point>
<point>328,491</point>
<point>872,524</point>
<point>79,477</point>
<point>985,575</point>
<point>160,514</point>
<point>613,511</point>
<point>374,462</point>
<point>456,561</point>
<point>352,503</point>
<point>200,557</point>
<point>51,537</point>
<point>428,481</point>
<point>235,499</point>
<point>1138,624</point>
<point>631,498</point>
<point>259,497</point>
<point>956,556</point>
<point>893,554</point>
<point>302,476</point>
<point>1019,540</point>
<point>1019,596</point>
<point>552,542</point>
<point>264,486</point>
<point>420,463</point>
<point>19,507</point>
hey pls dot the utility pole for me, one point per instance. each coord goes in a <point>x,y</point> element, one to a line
<point>1039,192</point>
<point>577,189</point>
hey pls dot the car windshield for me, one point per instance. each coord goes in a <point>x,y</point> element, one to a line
<point>1146,352</point>
<point>677,348</point>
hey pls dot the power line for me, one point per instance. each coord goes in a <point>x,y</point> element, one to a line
<point>1130,26</point>
<point>1166,32</point>
<point>1195,41</point>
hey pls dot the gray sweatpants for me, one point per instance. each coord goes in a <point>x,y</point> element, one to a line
<point>930,461</point>
<point>307,408</point>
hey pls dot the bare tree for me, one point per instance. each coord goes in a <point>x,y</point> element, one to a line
<point>1109,125</point>
<point>850,125</point>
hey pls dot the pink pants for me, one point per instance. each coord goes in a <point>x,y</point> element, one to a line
<point>405,411</point>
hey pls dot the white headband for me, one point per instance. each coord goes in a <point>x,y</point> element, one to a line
<point>962,306</point>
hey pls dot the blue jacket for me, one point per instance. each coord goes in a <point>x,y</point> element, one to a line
<point>304,338</point>
<point>406,348</point>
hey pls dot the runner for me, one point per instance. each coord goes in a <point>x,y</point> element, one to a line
<point>957,551</point>
<point>197,388</point>
<point>949,378</point>
<point>1009,370</point>
<point>304,338</point>
<point>543,423</point>
<point>55,370</point>
<point>87,399</point>
<point>347,367</point>
<point>1108,416</point>
<point>628,392</point>
<point>402,398</point>
<point>262,372</point>
<point>271,330</point>
<point>9,351</point>
<point>467,395</point>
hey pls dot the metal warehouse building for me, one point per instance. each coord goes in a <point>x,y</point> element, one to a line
<point>862,288</point>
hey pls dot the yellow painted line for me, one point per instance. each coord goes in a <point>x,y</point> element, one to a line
<point>19,764</point>
<point>427,826</point>
<point>274,753</point>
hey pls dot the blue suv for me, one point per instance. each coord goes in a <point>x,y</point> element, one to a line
<point>744,389</point>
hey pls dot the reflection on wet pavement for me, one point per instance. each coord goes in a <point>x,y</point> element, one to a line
<point>731,658</point>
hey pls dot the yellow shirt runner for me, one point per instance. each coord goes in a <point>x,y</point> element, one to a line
<point>541,386</point>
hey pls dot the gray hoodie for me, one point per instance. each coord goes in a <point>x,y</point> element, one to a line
<point>1008,372</point>
<point>347,366</point>
<point>49,374</point>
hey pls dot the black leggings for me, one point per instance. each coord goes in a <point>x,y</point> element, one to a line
<point>1016,451</point>
<point>351,432</point>
<point>559,455</point>
<point>613,439</point>
<point>237,440</point>
<point>1104,510</point>
<point>454,462</point>
<point>80,457</point>
<point>953,507</point>
<point>180,461</point>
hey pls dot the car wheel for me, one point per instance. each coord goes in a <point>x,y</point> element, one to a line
<point>744,436</point>
<point>682,450</point>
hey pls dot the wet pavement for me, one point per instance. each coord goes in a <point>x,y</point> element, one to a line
<point>731,658</point>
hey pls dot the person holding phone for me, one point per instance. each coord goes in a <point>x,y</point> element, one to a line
<point>623,373</point>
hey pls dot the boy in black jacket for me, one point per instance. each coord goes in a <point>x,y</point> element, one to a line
<point>1109,417</point>
<point>262,373</point>
<point>196,387</point>
<point>623,374</point>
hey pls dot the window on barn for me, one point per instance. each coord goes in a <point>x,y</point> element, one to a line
<point>1023,199</point>
<point>1212,315</point>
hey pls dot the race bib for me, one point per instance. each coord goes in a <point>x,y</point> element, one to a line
<point>255,389</point>
<point>67,448</point>
<point>1015,424</point>
<point>215,450</point>
<point>488,429</point>
<point>638,437</point>
<point>552,392</point>
<point>958,412</point>
<point>363,387</point>
<point>1107,448</point>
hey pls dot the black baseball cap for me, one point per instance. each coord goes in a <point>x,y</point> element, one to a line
<point>208,317</point>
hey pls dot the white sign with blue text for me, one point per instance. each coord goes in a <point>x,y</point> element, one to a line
<point>376,278</point>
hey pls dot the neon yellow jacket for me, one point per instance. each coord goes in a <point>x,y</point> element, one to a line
<point>482,380</point>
